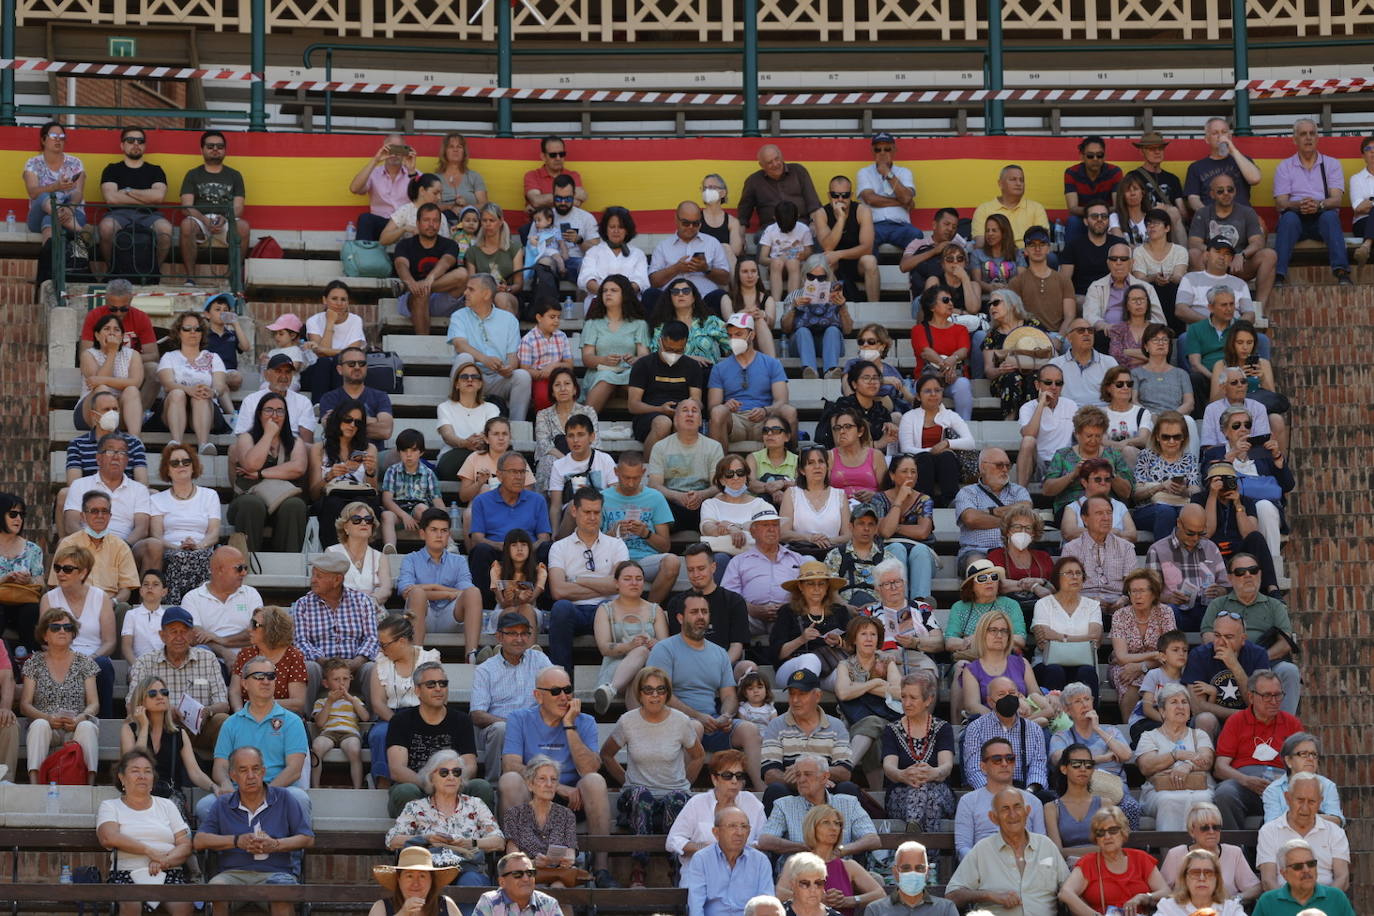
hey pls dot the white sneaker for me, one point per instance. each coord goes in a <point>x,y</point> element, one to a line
<point>602,699</point>
<point>208,449</point>
<point>808,372</point>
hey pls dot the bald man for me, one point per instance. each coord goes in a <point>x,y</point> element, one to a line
<point>223,607</point>
<point>777,180</point>
<point>1012,871</point>
<point>691,255</point>
<point>1193,569</point>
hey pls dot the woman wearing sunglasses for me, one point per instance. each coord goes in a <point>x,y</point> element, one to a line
<point>1201,888</point>
<point>1067,820</point>
<point>727,514</point>
<point>271,633</point>
<point>943,346</point>
<point>368,570</point>
<point>192,379</point>
<point>807,873</point>
<point>707,340</point>
<point>816,316</point>
<point>1238,879</point>
<point>343,468</point>
<point>21,573</point>
<point>954,275</point>
<point>1113,875</point>
<point>151,726</point>
<point>458,829</point>
<point>691,830</point>
<point>91,610</point>
<point>59,697</point>
<point>184,524</point>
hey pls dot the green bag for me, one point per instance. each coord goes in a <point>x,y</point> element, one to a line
<point>365,259</point>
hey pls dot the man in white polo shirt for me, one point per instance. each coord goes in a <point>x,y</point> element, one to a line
<point>130,502</point>
<point>1046,423</point>
<point>581,575</point>
<point>222,608</point>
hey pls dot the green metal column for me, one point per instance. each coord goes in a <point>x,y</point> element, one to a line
<point>504,40</point>
<point>257,119</point>
<point>7,27</point>
<point>1240,49</point>
<point>751,68</point>
<point>994,122</point>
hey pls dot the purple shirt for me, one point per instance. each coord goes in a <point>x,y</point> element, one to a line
<point>387,193</point>
<point>759,579</point>
<point>1301,183</point>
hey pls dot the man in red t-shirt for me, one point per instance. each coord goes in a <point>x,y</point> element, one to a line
<point>1248,750</point>
<point>539,182</point>
<point>138,332</point>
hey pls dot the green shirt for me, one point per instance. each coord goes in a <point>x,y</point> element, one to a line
<point>964,616</point>
<point>1260,617</point>
<point>1280,902</point>
<point>1066,459</point>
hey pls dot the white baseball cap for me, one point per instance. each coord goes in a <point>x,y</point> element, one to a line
<point>741,320</point>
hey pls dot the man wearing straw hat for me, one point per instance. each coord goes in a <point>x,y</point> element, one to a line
<point>413,885</point>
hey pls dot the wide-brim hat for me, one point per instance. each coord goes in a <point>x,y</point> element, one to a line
<point>1150,138</point>
<point>978,568</point>
<point>814,571</point>
<point>413,858</point>
<point>1028,338</point>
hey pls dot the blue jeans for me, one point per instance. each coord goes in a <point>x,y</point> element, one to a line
<point>1159,518</point>
<point>893,232</point>
<point>471,877</point>
<point>832,346</point>
<point>566,621</point>
<point>920,563</point>
<point>1294,227</point>
<point>376,743</point>
<point>975,353</point>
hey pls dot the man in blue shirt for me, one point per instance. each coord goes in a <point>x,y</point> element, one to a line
<point>353,370</point>
<point>558,729</point>
<point>641,518</point>
<point>726,875</point>
<point>275,732</point>
<point>483,334</point>
<point>503,684</point>
<point>437,586</point>
<point>746,388</point>
<point>496,512</point>
<point>258,830</point>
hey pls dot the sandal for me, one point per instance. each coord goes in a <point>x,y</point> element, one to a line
<point>637,876</point>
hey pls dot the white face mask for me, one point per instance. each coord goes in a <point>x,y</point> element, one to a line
<point>109,421</point>
<point>1020,540</point>
<point>669,359</point>
<point>738,345</point>
<point>92,533</point>
<point>870,355</point>
<point>710,195</point>
<point>1264,753</point>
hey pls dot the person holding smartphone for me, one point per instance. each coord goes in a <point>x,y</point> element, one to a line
<point>343,468</point>
<point>384,179</point>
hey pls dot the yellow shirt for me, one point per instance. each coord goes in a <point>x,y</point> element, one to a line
<point>114,562</point>
<point>1025,214</point>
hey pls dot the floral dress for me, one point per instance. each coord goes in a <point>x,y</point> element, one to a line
<point>705,339</point>
<point>1126,627</point>
<point>471,820</point>
<point>1014,388</point>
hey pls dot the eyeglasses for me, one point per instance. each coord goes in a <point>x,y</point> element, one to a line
<point>869,377</point>
<point>840,195</point>
<point>1309,755</point>
<point>1051,383</point>
<point>179,462</point>
<point>262,676</point>
<point>62,627</point>
<point>843,427</point>
<point>1172,437</point>
<point>274,411</point>
<point>1302,866</point>
<point>430,685</point>
<point>735,472</point>
<point>1202,873</point>
<point>689,222</point>
<point>446,772</point>
<point>1080,330</point>
<point>1243,571</point>
<point>732,774</point>
<point>659,691</point>
<point>1000,758</point>
<point>1082,764</point>
<point>354,363</point>
<point>557,691</point>
<point>469,377</point>
<point>96,511</point>
<point>1125,384</point>
<point>1270,695</point>
<point>556,153</point>
<point>66,569</point>
<point>362,519</point>
<point>113,451</point>
<point>1113,830</point>
<point>159,692</point>
<point>520,872</point>
<point>998,465</point>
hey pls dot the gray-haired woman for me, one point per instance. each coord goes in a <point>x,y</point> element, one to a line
<point>918,755</point>
<point>458,829</point>
<point>817,314</point>
<point>538,826</point>
<point>1176,760</point>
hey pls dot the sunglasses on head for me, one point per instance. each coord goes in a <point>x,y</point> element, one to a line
<point>557,691</point>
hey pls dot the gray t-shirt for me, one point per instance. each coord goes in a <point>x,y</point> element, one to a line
<point>685,468</point>
<point>1161,392</point>
<point>697,674</point>
<point>655,750</point>
<point>1236,228</point>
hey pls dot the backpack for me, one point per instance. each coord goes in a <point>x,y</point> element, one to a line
<point>543,291</point>
<point>364,259</point>
<point>266,247</point>
<point>385,371</point>
<point>65,766</point>
<point>133,256</point>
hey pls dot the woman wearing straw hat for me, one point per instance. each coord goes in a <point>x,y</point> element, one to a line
<point>811,635</point>
<point>413,886</point>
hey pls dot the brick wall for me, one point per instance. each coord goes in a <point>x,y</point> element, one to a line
<point>1324,336</point>
<point>23,386</point>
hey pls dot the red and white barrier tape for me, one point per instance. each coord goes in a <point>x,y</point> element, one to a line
<point>164,73</point>
<point>1272,89</point>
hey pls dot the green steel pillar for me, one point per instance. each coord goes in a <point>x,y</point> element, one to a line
<point>7,27</point>
<point>504,39</point>
<point>1240,47</point>
<point>994,123</point>
<point>257,119</point>
<point>751,68</point>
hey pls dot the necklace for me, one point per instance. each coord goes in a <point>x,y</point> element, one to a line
<point>815,620</point>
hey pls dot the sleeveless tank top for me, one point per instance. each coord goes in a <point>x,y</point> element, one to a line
<point>88,616</point>
<point>1073,832</point>
<point>849,237</point>
<point>720,233</point>
<point>852,478</point>
<point>826,521</point>
<point>1016,671</point>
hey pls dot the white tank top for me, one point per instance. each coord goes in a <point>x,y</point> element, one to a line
<point>825,522</point>
<point>88,640</point>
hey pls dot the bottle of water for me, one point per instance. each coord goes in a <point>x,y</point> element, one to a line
<point>9,221</point>
<point>1058,235</point>
<point>66,875</point>
<point>21,655</point>
<point>350,232</point>
<point>53,804</point>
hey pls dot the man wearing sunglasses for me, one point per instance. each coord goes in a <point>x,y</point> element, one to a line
<point>539,181</point>
<point>1228,216</point>
<point>1191,566</point>
<point>223,607</point>
<point>353,371</point>
<point>888,189</point>
<point>133,187</point>
<point>690,255</point>
<point>1301,891</point>
<point>844,229</point>
<point>1084,258</point>
<point>578,227</point>
<point>215,187</point>
<point>1265,619</point>
<point>417,732</point>
<point>556,727</point>
<point>1091,180</point>
<point>185,669</point>
<point>1046,424</point>
<point>516,894</point>
<point>1082,365</point>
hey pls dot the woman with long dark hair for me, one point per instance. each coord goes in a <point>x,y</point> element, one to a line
<point>343,468</point>
<point>707,340</point>
<point>613,337</point>
<point>21,572</point>
<point>267,465</point>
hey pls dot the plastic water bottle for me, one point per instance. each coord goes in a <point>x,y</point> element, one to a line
<point>350,232</point>
<point>53,804</point>
<point>66,875</point>
<point>9,221</point>
<point>1058,235</point>
<point>21,655</point>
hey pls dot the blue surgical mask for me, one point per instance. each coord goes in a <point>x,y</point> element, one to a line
<point>92,533</point>
<point>911,883</point>
<point>736,491</point>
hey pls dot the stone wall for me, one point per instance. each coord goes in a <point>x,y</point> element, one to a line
<point>1324,338</point>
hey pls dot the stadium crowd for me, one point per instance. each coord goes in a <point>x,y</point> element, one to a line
<point>791,694</point>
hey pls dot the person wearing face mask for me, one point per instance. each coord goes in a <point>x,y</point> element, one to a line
<point>874,345</point>
<point>659,381</point>
<point>102,418</point>
<point>1006,721</point>
<point>910,897</point>
<point>746,389</point>
<point>720,225</point>
<point>115,571</point>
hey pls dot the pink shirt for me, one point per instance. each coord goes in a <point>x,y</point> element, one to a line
<point>849,478</point>
<point>385,192</point>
